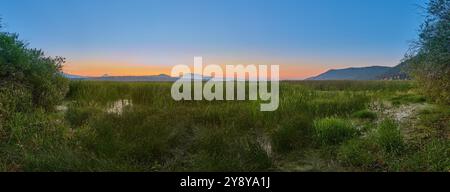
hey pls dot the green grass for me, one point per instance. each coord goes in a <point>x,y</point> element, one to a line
<point>152,132</point>
<point>359,153</point>
<point>434,157</point>
<point>332,131</point>
<point>293,134</point>
<point>407,98</point>
<point>365,114</point>
<point>388,136</point>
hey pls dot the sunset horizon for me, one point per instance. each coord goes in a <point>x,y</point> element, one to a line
<point>149,37</point>
<point>225,95</point>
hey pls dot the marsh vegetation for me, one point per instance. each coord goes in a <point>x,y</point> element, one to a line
<point>319,126</point>
<point>48,123</point>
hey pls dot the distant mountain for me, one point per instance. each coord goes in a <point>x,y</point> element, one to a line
<point>354,73</point>
<point>396,73</point>
<point>148,78</point>
<point>195,77</point>
<point>160,78</point>
<point>69,76</point>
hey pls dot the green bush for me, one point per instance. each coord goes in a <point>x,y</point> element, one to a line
<point>331,131</point>
<point>389,137</point>
<point>14,98</point>
<point>31,69</point>
<point>361,153</point>
<point>430,56</point>
<point>365,114</point>
<point>31,85</point>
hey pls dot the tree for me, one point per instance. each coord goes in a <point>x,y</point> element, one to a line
<point>28,78</point>
<point>429,58</point>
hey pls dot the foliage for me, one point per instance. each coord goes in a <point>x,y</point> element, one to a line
<point>407,98</point>
<point>32,71</point>
<point>360,153</point>
<point>331,131</point>
<point>156,133</point>
<point>434,156</point>
<point>388,136</point>
<point>293,134</point>
<point>31,85</point>
<point>430,54</point>
<point>365,114</point>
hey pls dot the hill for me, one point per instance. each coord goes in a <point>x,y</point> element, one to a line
<point>353,73</point>
<point>161,77</point>
<point>147,78</point>
<point>396,73</point>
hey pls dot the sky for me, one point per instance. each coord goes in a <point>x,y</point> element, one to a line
<point>148,37</point>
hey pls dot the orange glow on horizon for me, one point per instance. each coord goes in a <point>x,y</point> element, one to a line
<point>100,68</point>
<point>295,72</point>
<point>95,69</point>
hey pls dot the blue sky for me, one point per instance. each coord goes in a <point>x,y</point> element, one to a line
<point>313,35</point>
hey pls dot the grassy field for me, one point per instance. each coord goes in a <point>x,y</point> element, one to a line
<point>319,126</point>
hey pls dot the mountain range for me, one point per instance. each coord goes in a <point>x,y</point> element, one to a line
<point>365,73</point>
<point>154,78</point>
<point>353,73</point>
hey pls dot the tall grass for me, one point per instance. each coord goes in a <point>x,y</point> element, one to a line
<point>159,133</point>
<point>149,131</point>
<point>331,131</point>
<point>389,137</point>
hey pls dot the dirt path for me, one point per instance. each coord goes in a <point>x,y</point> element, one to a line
<point>405,115</point>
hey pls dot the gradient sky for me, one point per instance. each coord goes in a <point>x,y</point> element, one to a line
<point>145,37</point>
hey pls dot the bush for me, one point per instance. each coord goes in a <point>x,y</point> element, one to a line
<point>389,138</point>
<point>360,153</point>
<point>333,130</point>
<point>13,98</point>
<point>30,69</point>
<point>430,56</point>
<point>365,114</point>
<point>31,84</point>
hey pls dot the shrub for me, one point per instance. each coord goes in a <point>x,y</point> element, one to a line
<point>389,138</point>
<point>333,130</point>
<point>365,114</point>
<point>13,98</point>
<point>360,153</point>
<point>430,55</point>
<point>32,70</point>
<point>436,118</point>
